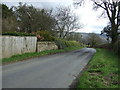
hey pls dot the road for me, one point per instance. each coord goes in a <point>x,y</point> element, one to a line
<point>51,71</point>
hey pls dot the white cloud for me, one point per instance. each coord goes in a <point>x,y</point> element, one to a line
<point>90,18</point>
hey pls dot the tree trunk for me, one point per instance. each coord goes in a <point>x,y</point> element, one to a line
<point>65,35</point>
<point>114,34</point>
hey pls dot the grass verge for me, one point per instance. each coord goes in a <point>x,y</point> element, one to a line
<point>25,56</point>
<point>101,72</point>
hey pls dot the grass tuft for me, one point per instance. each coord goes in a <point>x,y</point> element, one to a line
<point>25,56</point>
<point>101,72</point>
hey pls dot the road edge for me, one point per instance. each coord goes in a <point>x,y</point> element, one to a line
<point>76,80</point>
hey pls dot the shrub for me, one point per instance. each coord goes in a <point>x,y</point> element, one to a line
<point>115,47</point>
<point>44,36</point>
<point>61,43</point>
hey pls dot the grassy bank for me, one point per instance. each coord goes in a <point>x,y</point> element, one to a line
<point>101,72</point>
<point>35,54</point>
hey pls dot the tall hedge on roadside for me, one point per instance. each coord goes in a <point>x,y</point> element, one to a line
<point>44,35</point>
<point>18,34</point>
<point>61,43</point>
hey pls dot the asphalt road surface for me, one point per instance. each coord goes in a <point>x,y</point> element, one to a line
<point>51,71</point>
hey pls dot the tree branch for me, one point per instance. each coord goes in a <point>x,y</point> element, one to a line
<point>108,14</point>
<point>118,17</point>
<point>100,5</point>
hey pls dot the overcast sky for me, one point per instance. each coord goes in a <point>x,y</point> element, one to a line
<point>89,17</point>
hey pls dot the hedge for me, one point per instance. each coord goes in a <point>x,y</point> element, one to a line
<point>44,36</point>
<point>18,34</point>
<point>61,43</point>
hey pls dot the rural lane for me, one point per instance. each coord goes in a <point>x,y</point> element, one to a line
<point>51,71</point>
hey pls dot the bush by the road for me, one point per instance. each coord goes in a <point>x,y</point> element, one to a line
<point>61,43</point>
<point>44,35</point>
<point>114,48</point>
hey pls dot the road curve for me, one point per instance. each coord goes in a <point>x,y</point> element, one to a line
<point>51,71</point>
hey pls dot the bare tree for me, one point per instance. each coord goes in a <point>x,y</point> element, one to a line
<point>74,36</point>
<point>112,9</point>
<point>94,40</point>
<point>66,21</point>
